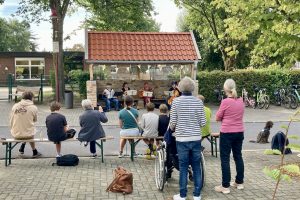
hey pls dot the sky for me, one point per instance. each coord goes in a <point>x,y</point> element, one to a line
<point>166,9</point>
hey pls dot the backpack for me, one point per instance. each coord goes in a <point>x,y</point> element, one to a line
<point>278,142</point>
<point>67,160</point>
<point>123,181</point>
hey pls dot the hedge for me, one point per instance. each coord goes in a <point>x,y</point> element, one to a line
<point>271,79</point>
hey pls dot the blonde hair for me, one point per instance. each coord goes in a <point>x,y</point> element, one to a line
<point>163,108</point>
<point>230,87</point>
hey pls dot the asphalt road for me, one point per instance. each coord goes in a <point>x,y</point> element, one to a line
<point>111,147</point>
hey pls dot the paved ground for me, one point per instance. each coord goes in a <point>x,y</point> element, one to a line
<point>37,179</point>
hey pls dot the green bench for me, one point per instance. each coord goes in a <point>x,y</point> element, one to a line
<point>136,140</point>
<point>11,143</point>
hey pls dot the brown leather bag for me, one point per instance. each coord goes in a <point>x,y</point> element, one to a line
<point>122,182</point>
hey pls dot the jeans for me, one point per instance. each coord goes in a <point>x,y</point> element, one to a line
<point>189,153</point>
<point>112,100</point>
<point>93,146</point>
<point>234,142</point>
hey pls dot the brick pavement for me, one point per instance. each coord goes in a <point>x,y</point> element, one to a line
<point>37,179</point>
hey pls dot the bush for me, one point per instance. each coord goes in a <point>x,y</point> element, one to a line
<point>52,80</point>
<point>263,78</point>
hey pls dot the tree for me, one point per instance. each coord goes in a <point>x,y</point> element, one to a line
<point>278,24</point>
<point>76,47</point>
<point>121,15</point>
<point>32,10</point>
<point>16,36</point>
<point>208,20</point>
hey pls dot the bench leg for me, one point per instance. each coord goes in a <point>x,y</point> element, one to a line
<point>9,154</point>
<point>132,147</point>
<point>101,150</point>
<point>216,146</point>
<point>212,145</point>
<point>6,154</point>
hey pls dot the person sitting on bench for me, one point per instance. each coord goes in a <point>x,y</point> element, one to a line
<point>91,128</point>
<point>57,127</point>
<point>149,124</point>
<point>109,97</point>
<point>22,118</point>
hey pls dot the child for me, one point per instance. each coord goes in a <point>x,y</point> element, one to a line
<point>264,134</point>
<point>205,130</point>
<point>57,128</point>
<point>149,124</point>
<point>163,121</point>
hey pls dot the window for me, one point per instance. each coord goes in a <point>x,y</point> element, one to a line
<point>29,68</point>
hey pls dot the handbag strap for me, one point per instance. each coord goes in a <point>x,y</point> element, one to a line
<point>132,117</point>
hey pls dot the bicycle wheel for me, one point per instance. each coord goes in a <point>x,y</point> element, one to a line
<point>202,164</point>
<point>267,101</point>
<point>251,102</point>
<point>261,103</point>
<point>286,102</point>
<point>160,170</point>
<point>294,101</point>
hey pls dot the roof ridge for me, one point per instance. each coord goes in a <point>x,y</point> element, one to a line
<point>141,33</point>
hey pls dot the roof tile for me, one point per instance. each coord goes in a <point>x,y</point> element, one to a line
<point>140,46</point>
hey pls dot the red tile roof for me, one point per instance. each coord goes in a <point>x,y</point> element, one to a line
<point>141,46</point>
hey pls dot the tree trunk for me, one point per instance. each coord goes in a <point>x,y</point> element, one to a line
<point>61,71</point>
<point>228,61</point>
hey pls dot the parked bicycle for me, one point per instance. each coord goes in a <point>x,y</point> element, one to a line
<point>219,94</point>
<point>281,98</point>
<point>248,101</point>
<point>294,96</point>
<point>262,99</point>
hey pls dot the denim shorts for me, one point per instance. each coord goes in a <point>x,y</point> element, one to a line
<point>130,132</point>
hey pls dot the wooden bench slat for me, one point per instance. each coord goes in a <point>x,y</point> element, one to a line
<point>141,137</point>
<point>46,140</point>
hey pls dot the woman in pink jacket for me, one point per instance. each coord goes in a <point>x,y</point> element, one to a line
<point>230,114</point>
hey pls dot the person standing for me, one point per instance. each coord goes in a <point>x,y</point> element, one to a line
<point>186,118</point>
<point>91,128</point>
<point>22,118</point>
<point>230,114</point>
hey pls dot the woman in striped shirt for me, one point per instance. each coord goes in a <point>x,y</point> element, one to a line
<point>186,118</point>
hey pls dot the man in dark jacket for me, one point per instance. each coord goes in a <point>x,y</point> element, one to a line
<point>91,128</point>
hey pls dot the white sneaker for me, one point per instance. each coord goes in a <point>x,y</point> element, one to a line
<point>121,155</point>
<point>221,189</point>
<point>237,186</point>
<point>178,197</point>
<point>197,198</point>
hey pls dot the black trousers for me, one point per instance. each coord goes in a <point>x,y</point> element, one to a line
<point>231,142</point>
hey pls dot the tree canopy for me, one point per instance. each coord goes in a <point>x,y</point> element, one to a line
<point>256,33</point>
<point>120,15</point>
<point>16,36</point>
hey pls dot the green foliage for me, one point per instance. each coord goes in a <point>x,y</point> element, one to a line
<point>284,127</point>
<point>294,147</point>
<point>120,15</point>
<point>295,137</point>
<point>294,169</point>
<point>272,152</point>
<point>276,174</point>
<point>52,80</point>
<point>16,36</point>
<point>258,33</point>
<point>270,78</point>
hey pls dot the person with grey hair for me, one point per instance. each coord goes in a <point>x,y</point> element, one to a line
<point>186,118</point>
<point>230,114</point>
<point>91,128</point>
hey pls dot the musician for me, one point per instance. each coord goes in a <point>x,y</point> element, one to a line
<point>176,93</point>
<point>109,98</point>
<point>147,88</point>
<point>125,88</point>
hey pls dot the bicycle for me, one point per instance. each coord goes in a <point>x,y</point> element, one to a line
<point>219,94</point>
<point>161,167</point>
<point>281,98</point>
<point>262,99</point>
<point>294,96</point>
<point>247,100</point>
